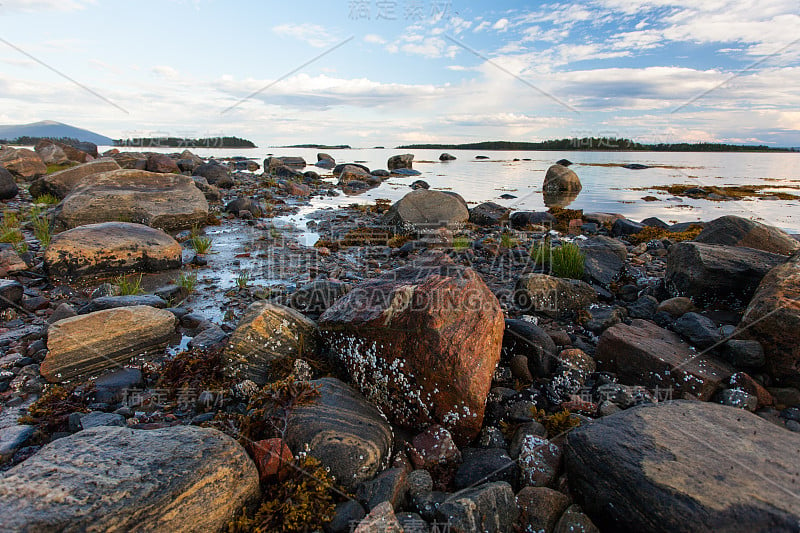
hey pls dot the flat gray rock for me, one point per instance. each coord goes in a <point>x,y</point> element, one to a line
<point>686,466</point>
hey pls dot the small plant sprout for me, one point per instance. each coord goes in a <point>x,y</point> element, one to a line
<point>187,281</point>
<point>201,245</point>
<point>461,242</point>
<point>129,285</point>
<point>507,240</point>
<point>242,279</point>
<point>46,199</point>
<point>9,229</point>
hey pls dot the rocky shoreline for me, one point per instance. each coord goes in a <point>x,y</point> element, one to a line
<point>174,357</point>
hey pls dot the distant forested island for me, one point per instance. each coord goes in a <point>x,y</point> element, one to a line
<point>319,146</point>
<point>33,141</point>
<point>601,144</point>
<point>178,142</point>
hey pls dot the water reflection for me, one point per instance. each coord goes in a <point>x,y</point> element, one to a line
<point>559,198</point>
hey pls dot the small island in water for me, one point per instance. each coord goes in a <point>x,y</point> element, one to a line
<point>601,144</point>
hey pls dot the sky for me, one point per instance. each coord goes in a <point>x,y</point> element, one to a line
<point>385,72</point>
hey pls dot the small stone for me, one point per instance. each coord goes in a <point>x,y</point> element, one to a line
<point>419,482</point>
<point>539,459</point>
<point>433,447</point>
<point>574,520</point>
<point>95,419</point>
<point>541,507</point>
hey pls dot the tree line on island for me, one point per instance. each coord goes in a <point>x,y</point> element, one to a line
<point>597,144</point>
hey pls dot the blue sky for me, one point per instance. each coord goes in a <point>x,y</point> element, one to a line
<point>385,72</point>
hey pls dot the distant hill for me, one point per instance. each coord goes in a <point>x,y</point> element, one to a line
<point>52,130</point>
<point>181,142</point>
<point>597,144</point>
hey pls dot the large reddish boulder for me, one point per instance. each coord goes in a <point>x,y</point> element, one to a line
<point>422,342</point>
<point>773,318</point>
<point>644,354</point>
<point>162,163</point>
<point>22,163</point>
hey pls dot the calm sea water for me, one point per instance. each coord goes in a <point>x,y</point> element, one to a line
<point>605,188</point>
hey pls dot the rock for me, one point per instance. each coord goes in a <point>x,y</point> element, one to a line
<point>318,296</point>
<point>215,174</point>
<point>61,183</point>
<point>118,479</point>
<point>346,517</point>
<point>523,219</point>
<point>400,161</point>
<point>773,319</point>
<point>605,259</point>
<point>8,185</point>
<point>731,230</point>
<point>85,345</point>
<point>676,307</point>
<point>268,335</point>
<point>98,419</point>
<point>485,466</point>
<point>541,507</point>
<point>321,156</point>
<point>623,227</point>
<point>164,201</point>
<point>677,466</point>
<point>382,519</point>
<point>23,163</point>
<point>101,303</point>
<point>644,354</point>
<point>244,204</point>
<point>564,162</point>
<point>343,431</point>
<point>490,508</point>
<point>406,172</point>
<point>51,154</point>
<point>420,184</point>
<point>422,342</point>
<point>338,169</point>
<point>162,164</point>
<point>111,247</point>
<point>739,399</point>
<point>574,519</point>
<point>539,460</point>
<point>699,330</point>
<point>210,337</point>
<point>645,307</point>
<point>717,275</point>
<point>80,152</point>
<point>131,160</point>
<point>10,293</point>
<point>559,179</point>
<point>434,447</point>
<point>529,340</point>
<point>552,296</point>
<point>447,157</point>
<point>286,161</point>
<point>489,214</point>
<point>744,354</point>
<point>272,458</point>
<point>574,368</point>
<point>389,486</point>
<point>423,208</point>
<point>635,166</point>
<point>12,438</point>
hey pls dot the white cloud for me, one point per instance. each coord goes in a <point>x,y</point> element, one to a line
<point>45,5</point>
<point>312,34</point>
<point>501,25</point>
<point>374,39</point>
<point>166,72</point>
